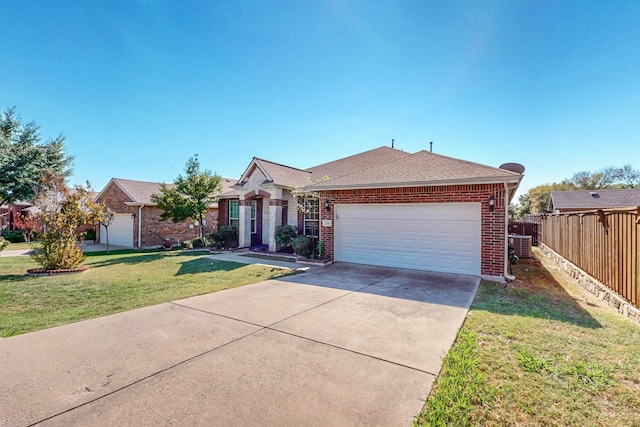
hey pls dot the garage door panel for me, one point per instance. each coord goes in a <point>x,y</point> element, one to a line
<point>439,237</point>
<point>120,231</point>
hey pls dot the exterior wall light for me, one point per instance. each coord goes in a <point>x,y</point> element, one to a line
<point>327,205</point>
<point>492,203</point>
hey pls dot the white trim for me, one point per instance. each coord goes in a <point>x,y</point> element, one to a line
<point>328,185</point>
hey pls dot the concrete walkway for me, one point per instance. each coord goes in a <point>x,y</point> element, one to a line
<point>340,345</point>
<point>86,247</point>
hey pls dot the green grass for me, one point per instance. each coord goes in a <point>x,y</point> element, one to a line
<point>113,283</point>
<point>22,245</point>
<point>536,352</point>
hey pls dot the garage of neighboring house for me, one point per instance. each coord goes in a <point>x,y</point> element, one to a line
<point>120,230</point>
<point>442,237</point>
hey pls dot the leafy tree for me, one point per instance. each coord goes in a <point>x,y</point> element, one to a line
<point>24,158</point>
<point>629,177</point>
<point>604,178</point>
<point>190,196</point>
<point>536,200</point>
<point>62,211</point>
<point>29,226</point>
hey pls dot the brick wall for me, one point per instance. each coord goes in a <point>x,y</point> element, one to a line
<point>492,223</point>
<point>223,212</point>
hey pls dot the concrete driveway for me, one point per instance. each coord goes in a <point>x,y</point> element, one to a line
<point>340,345</point>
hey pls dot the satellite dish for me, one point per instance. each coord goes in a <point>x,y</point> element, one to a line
<point>513,167</point>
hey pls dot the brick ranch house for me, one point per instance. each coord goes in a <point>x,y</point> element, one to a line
<point>383,207</point>
<point>9,212</point>
<point>138,222</point>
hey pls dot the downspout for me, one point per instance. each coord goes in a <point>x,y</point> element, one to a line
<point>140,224</point>
<point>506,232</point>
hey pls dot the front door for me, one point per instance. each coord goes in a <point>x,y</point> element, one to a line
<point>256,222</point>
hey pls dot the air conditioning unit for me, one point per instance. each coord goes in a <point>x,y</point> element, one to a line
<point>521,244</point>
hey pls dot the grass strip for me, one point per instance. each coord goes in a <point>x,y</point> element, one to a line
<point>538,352</point>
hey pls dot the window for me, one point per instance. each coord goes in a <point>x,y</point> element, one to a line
<point>234,212</point>
<point>254,207</point>
<point>311,217</point>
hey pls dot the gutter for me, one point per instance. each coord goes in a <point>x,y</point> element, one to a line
<point>414,184</point>
<point>506,233</point>
<point>140,224</point>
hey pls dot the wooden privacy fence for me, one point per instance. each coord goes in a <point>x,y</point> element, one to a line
<point>603,243</point>
<point>525,229</point>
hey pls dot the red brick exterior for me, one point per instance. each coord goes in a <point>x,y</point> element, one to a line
<point>223,212</point>
<point>154,229</point>
<point>10,214</point>
<point>493,226</point>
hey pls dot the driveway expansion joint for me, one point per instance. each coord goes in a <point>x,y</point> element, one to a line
<point>352,351</point>
<point>145,378</point>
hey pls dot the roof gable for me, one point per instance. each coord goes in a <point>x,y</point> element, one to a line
<point>140,192</point>
<point>136,191</point>
<point>275,173</point>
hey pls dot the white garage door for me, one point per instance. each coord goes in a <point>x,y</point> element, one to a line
<point>120,231</point>
<point>441,237</point>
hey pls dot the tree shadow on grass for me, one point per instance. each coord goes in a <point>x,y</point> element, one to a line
<point>193,263</point>
<point>534,293</point>
<point>207,265</point>
<point>13,277</point>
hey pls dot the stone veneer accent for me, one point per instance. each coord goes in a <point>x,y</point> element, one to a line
<point>599,289</point>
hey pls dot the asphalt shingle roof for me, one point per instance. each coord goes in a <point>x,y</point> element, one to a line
<point>141,191</point>
<point>384,166</point>
<point>422,167</point>
<point>357,162</point>
<point>282,174</point>
<point>595,199</point>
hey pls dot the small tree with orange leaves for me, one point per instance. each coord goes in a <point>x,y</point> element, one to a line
<point>63,210</point>
<point>30,225</point>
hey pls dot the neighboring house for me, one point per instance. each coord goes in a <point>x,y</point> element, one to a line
<point>382,207</point>
<point>9,212</point>
<point>584,200</point>
<point>138,222</point>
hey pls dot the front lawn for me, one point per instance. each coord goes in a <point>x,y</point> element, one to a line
<point>538,352</point>
<point>21,245</point>
<point>113,283</point>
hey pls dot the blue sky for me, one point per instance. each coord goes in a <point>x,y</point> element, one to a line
<point>138,87</point>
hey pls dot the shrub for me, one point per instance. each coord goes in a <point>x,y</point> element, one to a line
<point>303,246</point>
<point>3,243</point>
<point>61,216</point>
<point>226,237</point>
<point>90,234</point>
<point>13,236</point>
<point>201,242</point>
<point>284,235</point>
<point>187,244</point>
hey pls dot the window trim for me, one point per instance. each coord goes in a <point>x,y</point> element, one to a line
<point>231,217</point>
<point>311,203</point>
